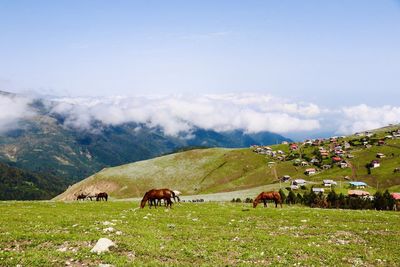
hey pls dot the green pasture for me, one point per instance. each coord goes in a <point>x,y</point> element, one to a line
<point>195,234</point>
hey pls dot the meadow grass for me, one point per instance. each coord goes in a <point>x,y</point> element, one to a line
<point>189,234</point>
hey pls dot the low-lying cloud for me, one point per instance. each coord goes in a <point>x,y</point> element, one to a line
<point>177,114</point>
<point>12,110</point>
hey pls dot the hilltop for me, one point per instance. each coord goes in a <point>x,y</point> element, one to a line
<point>203,171</point>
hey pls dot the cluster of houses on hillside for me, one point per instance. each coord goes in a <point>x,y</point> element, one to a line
<point>355,187</point>
<point>266,150</point>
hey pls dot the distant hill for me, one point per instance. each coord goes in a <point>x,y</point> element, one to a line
<point>42,144</point>
<point>202,171</point>
<point>17,184</point>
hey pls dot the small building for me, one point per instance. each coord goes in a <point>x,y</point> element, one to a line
<point>344,165</point>
<point>285,178</point>
<point>285,142</point>
<point>304,163</point>
<point>358,193</point>
<point>328,183</point>
<point>299,182</point>
<point>310,171</point>
<point>396,197</point>
<point>380,155</point>
<point>375,164</point>
<point>326,166</point>
<point>381,142</point>
<point>350,156</point>
<point>318,190</point>
<point>294,146</point>
<point>358,184</point>
<point>336,159</point>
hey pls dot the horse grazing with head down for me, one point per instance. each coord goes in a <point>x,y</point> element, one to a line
<point>101,196</point>
<point>81,196</point>
<point>264,196</point>
<point>157,194</point>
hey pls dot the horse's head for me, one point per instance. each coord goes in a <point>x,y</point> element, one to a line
<point>255,202</point>
<point>144,200</point>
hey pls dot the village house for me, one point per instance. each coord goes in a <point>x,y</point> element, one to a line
<point>336,159</point>
<point>308,142</point>
<point>285,142</point>
<point>285,178</point>
<point>318,190</point>
<point>380,155</point>
<point>350,156</point>
<point>294,146</point>
<point>317,142</point>
<point>328,183</point>
<point>357,184</point>
<point>347,145</point>
<point>304,163</point>
<point>344,165</point>
<point>297,183</point>
<point>396,197</point>
<point>326,166</point>
<point>396,134</point>
<point>358,193</point>
<point>310,171</point>
<point>381,142</point>
<point>375,164</point>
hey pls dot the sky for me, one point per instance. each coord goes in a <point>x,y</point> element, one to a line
<point>341,56</point>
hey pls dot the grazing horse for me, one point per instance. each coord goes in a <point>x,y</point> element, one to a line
<point>157,194</point>
<point>264,196</point>
<point>81,196</point>
<point>101,196</point>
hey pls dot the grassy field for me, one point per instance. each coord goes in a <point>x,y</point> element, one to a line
<point>219,170</point>
<point>210,234</point>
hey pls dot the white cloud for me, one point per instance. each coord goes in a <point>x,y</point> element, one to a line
<point>12,110</point>
<point>174,114</point>
<point>182,113</point>
<point>363,117</point>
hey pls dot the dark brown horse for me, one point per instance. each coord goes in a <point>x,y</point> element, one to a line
<point>101,196</point>
<point>81,196</point>
<point>157,194</point>
<point>264,196</point>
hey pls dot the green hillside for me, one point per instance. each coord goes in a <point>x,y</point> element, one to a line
<point>203,171</point>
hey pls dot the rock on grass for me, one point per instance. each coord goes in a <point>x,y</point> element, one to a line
<point>103,245</point>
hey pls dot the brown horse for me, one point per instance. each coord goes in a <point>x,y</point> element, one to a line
<point>264,196</point>
<point>157,194</point>
<point>102,196</point>
<point>81,196</point>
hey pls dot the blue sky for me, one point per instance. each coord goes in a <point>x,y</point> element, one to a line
<point>318,51</point>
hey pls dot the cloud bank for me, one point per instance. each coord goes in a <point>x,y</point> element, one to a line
<point>178,114</point>
<point>175,114</point>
